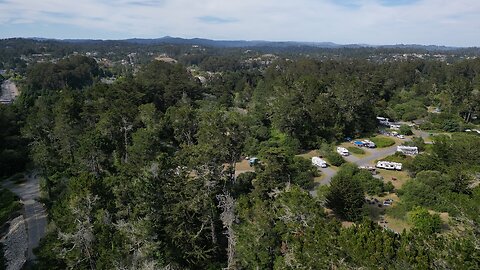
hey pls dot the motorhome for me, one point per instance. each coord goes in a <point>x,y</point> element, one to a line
<point>387,165</point>
<point>316,161</point>
<point>407,150</point>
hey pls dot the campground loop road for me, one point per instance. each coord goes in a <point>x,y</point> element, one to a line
<point>34,212</point>
<point>373,155</point>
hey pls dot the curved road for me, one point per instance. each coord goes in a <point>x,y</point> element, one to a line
<point>34,212</point>
<point>374,154</point>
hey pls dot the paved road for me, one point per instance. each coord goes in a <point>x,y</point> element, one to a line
<point>34,211</point>
<point>374,154</point>
<point>9,92</point>
<point>328,175</point>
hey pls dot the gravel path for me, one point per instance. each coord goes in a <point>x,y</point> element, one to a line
<point>15,244</point>
<point>34,211</point>
<point>9,92</point>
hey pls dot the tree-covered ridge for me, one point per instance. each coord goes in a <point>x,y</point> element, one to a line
<point>140,173</point>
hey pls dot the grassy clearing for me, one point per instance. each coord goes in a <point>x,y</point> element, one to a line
<point>397,225</point>
<point>8,205</point>
<point>243,165</point>
<point>388,176</point>
<point>383,141</point>
<point>356,150</point>
<point>310,154</point>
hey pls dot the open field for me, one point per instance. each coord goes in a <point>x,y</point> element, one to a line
<point>384,141</point>
<point>397,225</point>
<point>243,166</point>
<point>309,154</point>
<point>401,176</point>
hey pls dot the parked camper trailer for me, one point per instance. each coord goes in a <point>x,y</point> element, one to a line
<point>407,150</point>
<point>383,121</point>
<point>316,161</point>
<point>343,151</point>
<point>387,165</point>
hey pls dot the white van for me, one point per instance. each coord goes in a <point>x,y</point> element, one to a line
<point>343,151</point>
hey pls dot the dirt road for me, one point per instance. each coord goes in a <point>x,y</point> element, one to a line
<point>34,212</point>
<point>9,92</point>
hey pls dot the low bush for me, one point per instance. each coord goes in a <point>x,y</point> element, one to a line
<point>405,130</point>
<point>335,159</point>
<point>8,205</point>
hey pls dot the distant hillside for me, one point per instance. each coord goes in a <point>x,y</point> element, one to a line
<point>278,44</point>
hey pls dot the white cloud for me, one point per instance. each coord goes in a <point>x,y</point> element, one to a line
<point>358,21</point>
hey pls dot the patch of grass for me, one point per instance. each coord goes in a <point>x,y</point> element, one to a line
<point>397,225</point>
<point>388,176</point>
<point>335,159</point>
<point>398,157</point>
<point>9,204</point>
<point>356,150</point>
<point>398,211</point>
<point>373,211</point>
<point>382,141</point>
<point>309,154</point>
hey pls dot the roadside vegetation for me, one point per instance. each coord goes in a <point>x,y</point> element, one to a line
<point>9,204</point>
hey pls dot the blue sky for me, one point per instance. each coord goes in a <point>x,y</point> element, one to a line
<point>439,22</point>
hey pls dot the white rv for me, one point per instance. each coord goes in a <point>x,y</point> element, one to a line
<point>316,161</point>
<point>369,144</point>
<point>387,165</point>
<point>407,150</point>
<point>343,151</point>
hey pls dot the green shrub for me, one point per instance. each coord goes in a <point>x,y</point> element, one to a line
<point>383,142</point>
<point>371,185</point>
<point>405,130</point>
<point>416,141</point>
<point>335,159</point>
<point>8,205</point>
<point>424,221</point>
<point>389,187</point>
<point>398,211</point>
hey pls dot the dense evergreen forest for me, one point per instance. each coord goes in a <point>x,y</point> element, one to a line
<point>140,173</point>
